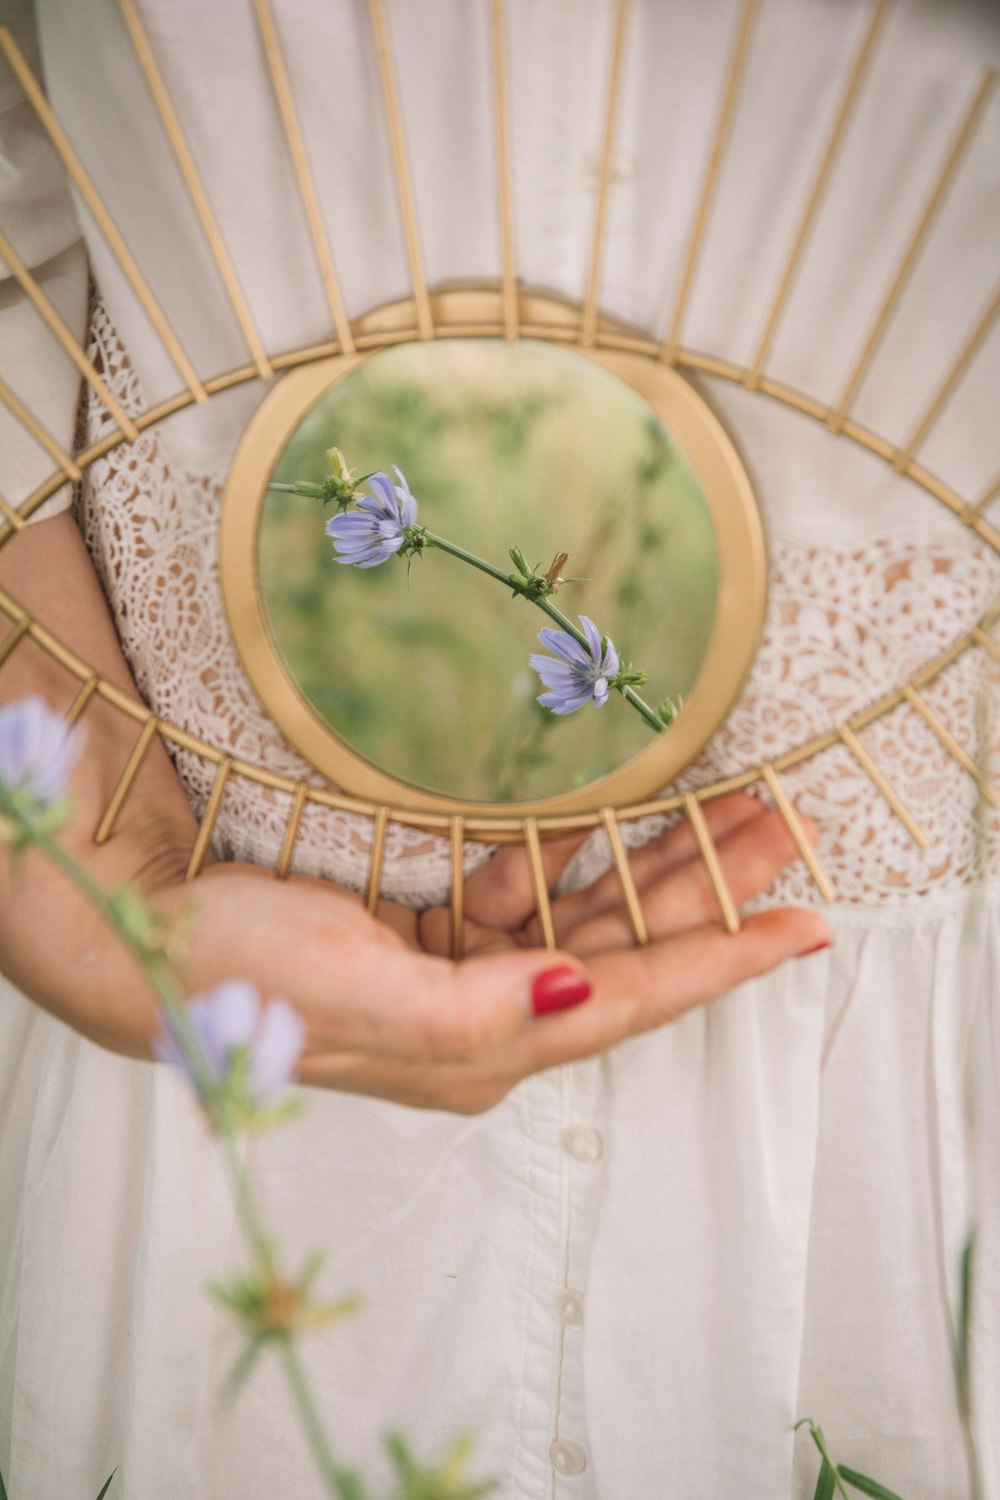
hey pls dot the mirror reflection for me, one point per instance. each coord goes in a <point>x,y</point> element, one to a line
<point>422,664</point>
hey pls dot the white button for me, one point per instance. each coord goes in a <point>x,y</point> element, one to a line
<point>567,1458</point>
<point>583,1143</point>
<point>570,1305</point>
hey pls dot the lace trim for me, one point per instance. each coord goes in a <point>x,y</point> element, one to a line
<point>844,625</point>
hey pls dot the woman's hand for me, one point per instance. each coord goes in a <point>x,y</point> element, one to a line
<point>386,1012</point>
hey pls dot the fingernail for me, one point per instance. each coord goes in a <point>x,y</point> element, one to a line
<point>558,989</point>
<point>826,943</point>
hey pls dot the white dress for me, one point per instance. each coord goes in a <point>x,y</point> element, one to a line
<point>632,1278</point>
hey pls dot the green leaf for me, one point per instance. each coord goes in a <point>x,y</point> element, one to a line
<point>3,1492</point>
<point>107,1484</point>
<point>825,1484</point>
<point>865,1485</point>
<point>962,1332</point>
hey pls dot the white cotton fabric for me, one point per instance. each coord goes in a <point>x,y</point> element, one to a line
<point>764,1216</point>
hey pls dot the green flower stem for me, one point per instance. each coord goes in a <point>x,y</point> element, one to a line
<point>154,964</point>
<point>433,540</point>
<point>336,1482</point>
<point>150,958</point>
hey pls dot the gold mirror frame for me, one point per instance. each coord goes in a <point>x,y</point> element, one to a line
<point>687,420</point>
<point>511,318</point>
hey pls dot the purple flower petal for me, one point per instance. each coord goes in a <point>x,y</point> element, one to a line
<point>277,1048</point>
<point>565,646</point>
<point>575,675</point>
<point>38,750</point>
<point>229,1018</point>
<point>593,635</point>
<point>375,531</point>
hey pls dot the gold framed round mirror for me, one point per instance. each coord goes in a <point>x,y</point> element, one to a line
<point>486,429</point>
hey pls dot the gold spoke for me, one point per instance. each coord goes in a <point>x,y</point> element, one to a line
<point>103,219</point>
<point>404,186</point>
<point>457,886</point>
<point>710,859</point>
<point>300,165</point>
<point>589,319</point>
<point>609,819</point>
<point>931,210</point>
<point>506,205</point>
<point>126,780</point>
<point>55,323</point>
<point>720,140</point>
<point>542,902</point>
<point>209,816</point>
<point>822,178</point>
<point>193,183</point>
<point>291,831</point>
<point>798,833</point>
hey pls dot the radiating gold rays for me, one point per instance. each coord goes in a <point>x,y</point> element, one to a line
<point>511,323</point>
<point>717,151</point>
<point>831,150</point>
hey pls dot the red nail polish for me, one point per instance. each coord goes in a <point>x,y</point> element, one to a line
<point>558,989</point>
<point>826,943</point>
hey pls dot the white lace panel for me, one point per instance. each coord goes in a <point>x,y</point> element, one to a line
<point>843,627</point>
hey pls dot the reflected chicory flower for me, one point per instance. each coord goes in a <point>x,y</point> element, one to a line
<point>377,529</point>
<point>576,674</point>
<point>38,750</point>
<point>250,1051</point>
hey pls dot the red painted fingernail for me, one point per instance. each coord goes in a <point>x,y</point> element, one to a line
<point>558,989</point>
<point>826,943</point>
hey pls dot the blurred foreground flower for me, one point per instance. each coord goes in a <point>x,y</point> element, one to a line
<point>377,529</point>
<point>250,1052</point>
<point>576,674</point>
<point>38,750</point>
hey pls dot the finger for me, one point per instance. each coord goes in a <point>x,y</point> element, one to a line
<point>501,894</point>
<point>655,859</point>
<point>638,989</point>
<point>635,991</point>
<point>434,935</point>
<point>355,983</point>
<point>750,858</point>
<point>724,815</point>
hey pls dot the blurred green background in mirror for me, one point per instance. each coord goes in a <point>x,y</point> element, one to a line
<point>423,667</point>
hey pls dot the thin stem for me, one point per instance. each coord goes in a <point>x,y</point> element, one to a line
<point>168,996</point>
<point>150,960</point>
<point>247,1208</point>
<point>652,718</point>
<point>816,1433</point>
<point>316,1433</point>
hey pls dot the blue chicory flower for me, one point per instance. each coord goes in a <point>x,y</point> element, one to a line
<point>230,1024</point>
<point>371,534</point>
<point>576,674</point>
<point>38,750</point>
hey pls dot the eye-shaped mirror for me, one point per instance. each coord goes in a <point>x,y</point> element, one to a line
<point>410,681</point>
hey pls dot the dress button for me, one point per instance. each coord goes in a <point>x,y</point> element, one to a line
<point>567,1458</point>
<point>570,1305</point>
<point>583,1143</point>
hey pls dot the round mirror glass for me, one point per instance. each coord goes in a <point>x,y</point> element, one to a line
<point>421,664</point>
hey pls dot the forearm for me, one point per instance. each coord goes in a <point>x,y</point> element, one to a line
<point>52,944</point>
